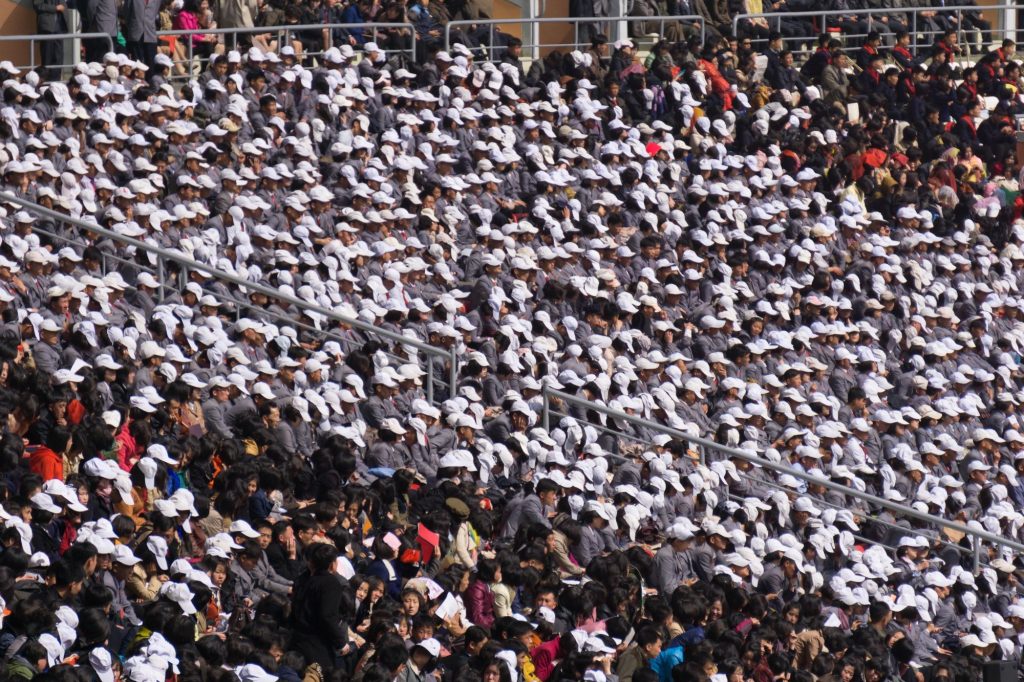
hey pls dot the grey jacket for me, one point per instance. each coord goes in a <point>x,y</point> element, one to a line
<point>48,19</point>
<point>140,20</point>
<point>101,17</point>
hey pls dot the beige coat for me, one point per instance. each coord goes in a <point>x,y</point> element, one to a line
<point>236,13</point>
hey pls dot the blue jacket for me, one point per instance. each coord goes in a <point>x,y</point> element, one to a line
<point>666,660</point>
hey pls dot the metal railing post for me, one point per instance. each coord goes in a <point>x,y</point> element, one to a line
<point>545,412</point>
<point>914,32</point>
<point>430,383</point>
<point>453,372</point>
<point>160,278</point>
<point>976,543</point>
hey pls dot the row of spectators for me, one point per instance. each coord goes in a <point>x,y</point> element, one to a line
<point>208,482</point>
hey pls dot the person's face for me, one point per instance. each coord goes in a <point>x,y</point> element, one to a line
<point>219,575</point>
<point>652,650</point>
<point>410,604</point>
<point>120,571</point>
<point>306,536</point>
<point>252,487</point>
<point>362,591</point>
<point>273,417</point>
<point>715,611</point>
<point>376,593</point>
<point>266,536</point>
<point>546,599</point>
<point>491,673</point>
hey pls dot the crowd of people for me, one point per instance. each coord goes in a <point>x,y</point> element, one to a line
<point>812,263</point>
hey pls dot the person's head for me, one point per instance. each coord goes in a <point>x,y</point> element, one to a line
<point>68,577</point>
<point>488,570</point>
<point>496,671</point>
<point>266,531</point>
<point>421,656</point>
<point>879,613</point>
<point>58,440</point>
<point>412,602</point>
<point>649,641</point>
<point>545,597</point>
<point>304,529</point>
<point>321,558</point>
<point>547,491</point>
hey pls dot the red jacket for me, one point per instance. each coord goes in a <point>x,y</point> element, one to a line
<point>46,463</point>
<point>127,448</point>
<point>479,602</point>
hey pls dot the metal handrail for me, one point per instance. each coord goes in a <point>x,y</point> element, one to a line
<point>34,38</point>
<point>909,512</point>
<point>774,486</point>
<point>768,484</point>
<point>872,14</point>
<point>165,255</point>
<point>535,46</point>
<point>870,517</point>
<point>106,256</point>
<point>284,30</point>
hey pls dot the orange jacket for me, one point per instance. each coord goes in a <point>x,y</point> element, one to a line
<point>46,463</point>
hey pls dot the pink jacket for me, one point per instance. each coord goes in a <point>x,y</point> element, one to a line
<point>186,21</point>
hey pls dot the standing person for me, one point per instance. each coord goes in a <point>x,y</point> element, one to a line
<point>140,24</point>
<point>236,13</point>
<point>319,608</point>
<point>100,16</point>
<point>50,21</point>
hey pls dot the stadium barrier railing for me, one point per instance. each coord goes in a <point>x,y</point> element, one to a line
<point>233,38</point>
<point>915,19</point>
<point>978,536</point>
<point>875,520</point>
<point>32,39</point>
<point>441,366</point>
<point>535,47</point>
<point>109,262</point>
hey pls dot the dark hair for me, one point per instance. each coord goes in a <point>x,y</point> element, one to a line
<point>486,570</point>
<point>648,635</point>
<point>57,439</point>
<point>321,556</point>
<point>67,573</point>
